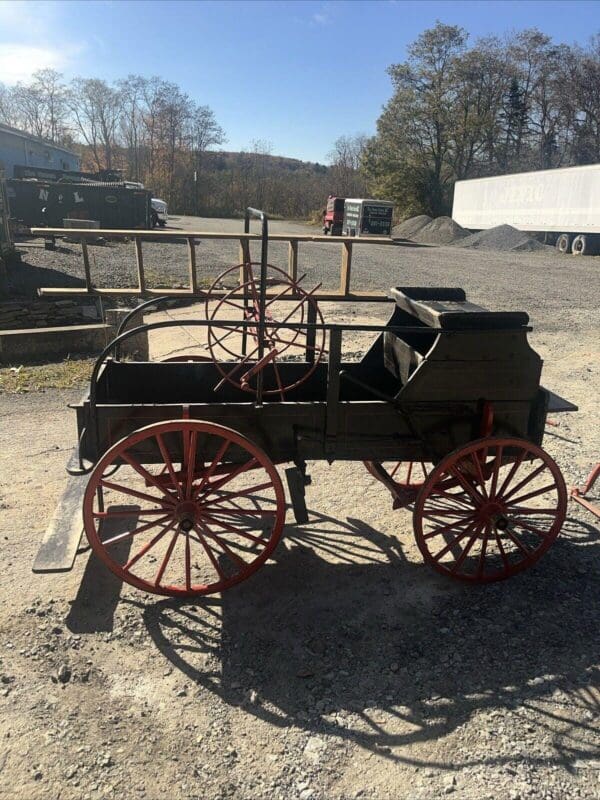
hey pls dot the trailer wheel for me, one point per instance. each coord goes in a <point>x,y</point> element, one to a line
<point>584,245</point>
<point>563,243</point>
<point>209,508</point>
<point>489,510</point>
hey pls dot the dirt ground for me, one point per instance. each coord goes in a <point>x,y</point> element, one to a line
<point>344,668</point>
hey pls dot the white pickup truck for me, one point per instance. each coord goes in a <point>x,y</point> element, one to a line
<point>160,214</point>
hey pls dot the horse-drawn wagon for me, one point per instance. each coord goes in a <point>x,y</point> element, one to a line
<point>181,457</point>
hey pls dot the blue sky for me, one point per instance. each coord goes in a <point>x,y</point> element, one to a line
<point>297,74</point>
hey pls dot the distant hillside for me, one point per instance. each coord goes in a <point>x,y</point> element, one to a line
<point>225,159</point>
<point>229,181</point>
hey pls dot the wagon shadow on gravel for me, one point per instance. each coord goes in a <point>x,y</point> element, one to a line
<point>379,651</point>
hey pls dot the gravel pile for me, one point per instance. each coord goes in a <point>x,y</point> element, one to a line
<point>410,227</point>
<point>442,230</point>
<point>502,238</point>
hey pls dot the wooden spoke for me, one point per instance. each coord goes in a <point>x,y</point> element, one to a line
<point>169,464</point>
<point>209,553</point>
<point>454,542</point>
<point>188,564</point>
<point>452,526</point>
<point>117,487</point>
<point>213,465</point>
<point>166,559</point>
<point>513,470</point>
<point>147,476</point>
<point>142,552</point>
<point>524,482</point>
<point>466,550</point>
<point>191,464</point>
<point>130,534</point>
<point>496,470</point>
<point>135,512</point>
<point>222,545</point>
<point>211,488</point>
<point>242,493</point>
<point>535,493</point>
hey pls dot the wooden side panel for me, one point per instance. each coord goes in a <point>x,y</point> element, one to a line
<point>471,365</point>
<point>452,381</point>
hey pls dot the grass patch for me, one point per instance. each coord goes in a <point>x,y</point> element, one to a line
<point>69,374</point>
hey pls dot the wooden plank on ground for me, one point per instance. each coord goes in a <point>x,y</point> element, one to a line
<point>60,543</point>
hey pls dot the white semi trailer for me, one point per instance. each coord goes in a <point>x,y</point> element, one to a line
<point>563,203</point>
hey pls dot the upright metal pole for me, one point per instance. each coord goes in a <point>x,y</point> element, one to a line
<point>262,298</point>
<point>245,275</point>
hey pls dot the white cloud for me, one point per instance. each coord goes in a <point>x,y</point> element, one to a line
<point>18,62</point>
<point>28,31</point>
<point>26,19</point>
<point>322,16</point>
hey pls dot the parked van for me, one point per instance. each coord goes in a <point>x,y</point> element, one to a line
<point>160,214</point>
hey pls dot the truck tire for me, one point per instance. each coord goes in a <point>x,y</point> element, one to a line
<point>563,243</point>
<point>584,245</point>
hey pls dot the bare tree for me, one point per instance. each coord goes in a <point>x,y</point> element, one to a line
<point>131,121</point>
<point>345,160</point>
<point>41,105</point>
<point>9,114</point>
<point>205,133</point>
<point>96,109</point>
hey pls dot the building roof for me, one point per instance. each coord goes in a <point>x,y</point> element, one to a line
<point>24,135</point>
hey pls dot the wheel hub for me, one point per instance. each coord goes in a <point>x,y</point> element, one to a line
<point>494,512</point>
<point>186,513</point>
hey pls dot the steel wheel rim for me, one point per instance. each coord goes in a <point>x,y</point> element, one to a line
<point>209,512</point>
<point>485,516</point>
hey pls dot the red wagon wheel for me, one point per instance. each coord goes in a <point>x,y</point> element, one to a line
<point>490,509</point>
<point>402,478</point>
<point>227,344</point>
<point>211,508</point>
